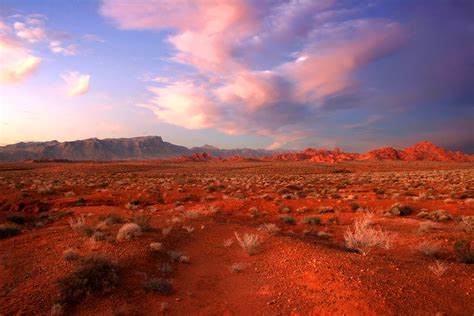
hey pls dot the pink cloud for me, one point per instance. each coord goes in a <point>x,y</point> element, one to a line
<point>32,34</point>
<point>252,89</point>
<point>323,72</point>
<point>16,63</point>
<point>216,26</point>
<point>236,94</point>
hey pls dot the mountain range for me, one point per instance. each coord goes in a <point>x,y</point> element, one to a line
<point>153,147</point>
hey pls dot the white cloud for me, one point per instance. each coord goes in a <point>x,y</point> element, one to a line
<point>32,34</point>
<point>76,83</point>
<point>69,50</point>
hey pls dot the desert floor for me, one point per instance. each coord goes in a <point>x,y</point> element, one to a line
<point>178,253</point>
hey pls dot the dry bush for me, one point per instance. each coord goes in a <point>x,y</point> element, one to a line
<point>158,286</point>
<point>129,231</point>
<point>270,228</point>
<point>156,246</point>
<point>8,231</point>
<point>93,275</point>
<point>79,224</point>
<point>250,243</point>
<point>70,255</point>
<point>288,220</point>
<point>313,220</point>
<point>364,237</point>
<point>237,267</point>
<point>228,242</point>
<point>463,251</point>
<point>429,249</point>
<point>438,268</point>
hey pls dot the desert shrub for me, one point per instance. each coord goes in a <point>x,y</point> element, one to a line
<point>142,221</point>
<point>156,246</point>
<point>236,267</point>
<point>129,231</point>
<point>254,212</point>
<point>378,191</point>
<point>354,206</point>
<point>334,220</point>
<point>438,268</point>
<point>269,228</point>
<point>158,286</point>
<point>288,220</point>
<point>429,249</point>
<point>94,274</point>
<point>178,256</point>
<point>325,209</point>
<point>70,255</point>
<point>363,236</point>
<point>250,243</point>
<point>463,251</point>
<point>399,209</point>
<point>78,224</point>
<point>111,219</point>
<point>285,210</point>
<point>81,202</point>
<point>17,219</point>
<point>313,220</point>
<point>294,187</point>
<point>303,209</point>
<point>190,198</point>
<point>8,231</point>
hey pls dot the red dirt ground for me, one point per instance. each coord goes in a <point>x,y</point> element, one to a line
<point>295,271</point>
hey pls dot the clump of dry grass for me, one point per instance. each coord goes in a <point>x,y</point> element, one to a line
<point>250,243</point>
<point>70,254</point>
<point>438,268</point>
<point>363,237</point>
<point>429,249</point>
<point>236,267</point>
<point>270,228</point>
<point>129,231</point>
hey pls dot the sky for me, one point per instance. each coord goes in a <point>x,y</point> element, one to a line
<point>239,73</point>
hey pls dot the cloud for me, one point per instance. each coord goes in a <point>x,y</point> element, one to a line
<point>16,62</point>
<point>69,50</point>
<point>92,38</point>
<point>76,84</point>
<point>290,69</point>
<point>32,34</point>
<point>20,69</point>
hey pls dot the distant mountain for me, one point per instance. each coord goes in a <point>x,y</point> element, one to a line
<point>149,147</point>
<point>153,147</point>
<point>135,148</point>
<point>238,152</point>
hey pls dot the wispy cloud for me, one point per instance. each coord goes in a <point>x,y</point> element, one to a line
<point>69,50</point>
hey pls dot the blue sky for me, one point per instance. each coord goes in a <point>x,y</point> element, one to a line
<point>237,73</point>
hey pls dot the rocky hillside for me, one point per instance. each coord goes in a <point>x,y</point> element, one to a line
<point>153,147</point>
<point>149,147</point>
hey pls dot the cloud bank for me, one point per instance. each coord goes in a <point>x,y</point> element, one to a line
<point>284,69</point>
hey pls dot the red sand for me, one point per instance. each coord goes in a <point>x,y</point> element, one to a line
<point>294,272</point>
